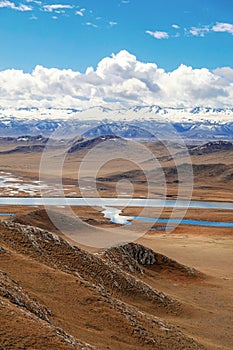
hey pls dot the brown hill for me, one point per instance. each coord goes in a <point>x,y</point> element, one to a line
<point>25,149</point>
<point>63,287</point>
<point>82,144</point>
<point>27,323</point>
<point>211,147</point>
<point>221,173</point>
<point>137,259</point>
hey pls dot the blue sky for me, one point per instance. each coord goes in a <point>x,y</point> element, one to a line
<point>85,53</point>
<point>77,34</point>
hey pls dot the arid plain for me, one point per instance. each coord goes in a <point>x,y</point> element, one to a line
<point>169,290</point>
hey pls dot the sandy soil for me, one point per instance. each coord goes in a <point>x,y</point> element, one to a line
<point>206,303</point>
<point>209,251</point>
<point>211,180</point>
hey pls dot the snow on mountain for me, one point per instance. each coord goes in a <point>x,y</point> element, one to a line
<point>169,114</point>
<point>138,121</point>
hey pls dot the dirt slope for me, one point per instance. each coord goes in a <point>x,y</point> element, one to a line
<point>87,297</point>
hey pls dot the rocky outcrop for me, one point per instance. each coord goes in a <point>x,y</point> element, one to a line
<point>2,250</point>
<point>53,250</point>
<point>142,255</point>
<point>108,280</point>
<point>14,292</point>
<point>134,257</point>
<point>120,257</point>
<point>90,142</point>
<point>23,308</point>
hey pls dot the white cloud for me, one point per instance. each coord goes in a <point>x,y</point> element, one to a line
<point>54,7</point>
<point>80,12</point>
<point>198,31</point>
<point>121,79</point>
<point>225,73</point>
<point>37,2</point>
<point>158,34</point>
<point>175,26</point>
<point>223,27</point>
<point>90,24</point>
<point>13,6</point>
<point>112,23</point>
<point>203,30</point>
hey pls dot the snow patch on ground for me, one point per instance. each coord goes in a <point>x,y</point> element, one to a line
<point>11,185</point>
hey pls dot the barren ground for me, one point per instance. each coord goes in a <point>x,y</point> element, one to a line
<point>80,311</point>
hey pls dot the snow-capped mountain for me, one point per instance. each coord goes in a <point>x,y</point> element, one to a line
<point>137,121</point>
<point>169,114</point>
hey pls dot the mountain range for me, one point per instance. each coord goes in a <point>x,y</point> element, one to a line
<point>136,122</point>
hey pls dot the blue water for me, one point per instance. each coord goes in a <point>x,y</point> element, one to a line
<point>185,222</point>
<point>115,217</point>
<point>6,214</point>
<point>114,202</point>
<point>114,214</point>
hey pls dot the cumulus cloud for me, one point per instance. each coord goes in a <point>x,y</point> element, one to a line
<point>225,73</point>
<point>13,6</point>
<point>158,34</point>
<point>223,27</point>
<point>119,80</point>
<point>56,7</point>
<point>175,26</point>
<point>203,30</point>
<point>198,31</point>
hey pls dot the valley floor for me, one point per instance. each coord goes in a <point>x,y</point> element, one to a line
<point>167,291</point>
